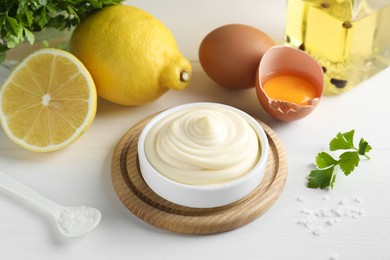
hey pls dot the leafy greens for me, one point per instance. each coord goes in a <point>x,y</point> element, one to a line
<point>325,174</point>
<point>20,18</point>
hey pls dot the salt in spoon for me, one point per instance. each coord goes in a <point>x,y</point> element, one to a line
<point>71,221</point>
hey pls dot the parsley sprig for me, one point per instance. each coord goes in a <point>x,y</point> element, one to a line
<point>325,175</point>
<point>20,18</point>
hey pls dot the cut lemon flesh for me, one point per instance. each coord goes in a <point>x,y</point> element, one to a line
<point>48,101</point>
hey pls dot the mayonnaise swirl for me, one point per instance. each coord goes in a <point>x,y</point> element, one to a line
<point>202,145</point>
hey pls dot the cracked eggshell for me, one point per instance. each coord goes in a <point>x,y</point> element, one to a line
<point>279,59</point>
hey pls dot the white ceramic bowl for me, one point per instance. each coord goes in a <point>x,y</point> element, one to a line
<point>203,196</point>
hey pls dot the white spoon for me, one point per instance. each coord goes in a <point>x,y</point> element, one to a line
<point>71,221</point>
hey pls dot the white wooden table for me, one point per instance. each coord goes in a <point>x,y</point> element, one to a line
<point>80,174</point>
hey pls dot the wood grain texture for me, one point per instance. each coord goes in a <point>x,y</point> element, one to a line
<point>135,194</point>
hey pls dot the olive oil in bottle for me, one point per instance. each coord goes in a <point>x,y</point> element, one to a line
<point>349,38</point>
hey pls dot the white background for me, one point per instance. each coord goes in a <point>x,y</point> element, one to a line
<point>80,174</point>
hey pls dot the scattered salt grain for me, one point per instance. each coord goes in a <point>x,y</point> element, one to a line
<point>358,199</point>
<point>319,231</point>
<point>361,211</point>
<point>318,220</point>
<point>339,211</point>
<point>334,257</point>
<point>309,221</point>
<point>307,211</point>
<point>326,197</point>
<point>349,211</point>
<point>301,199</point>
<point>326,212</point>
<point>344,202</point>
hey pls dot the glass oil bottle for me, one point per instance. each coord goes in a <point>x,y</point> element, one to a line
<point>349,38</point>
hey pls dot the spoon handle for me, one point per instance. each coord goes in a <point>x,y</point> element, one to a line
<point>22,191</point>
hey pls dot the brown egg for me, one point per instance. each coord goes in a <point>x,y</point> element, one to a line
<point>283,60</point>
<point>230,54</point>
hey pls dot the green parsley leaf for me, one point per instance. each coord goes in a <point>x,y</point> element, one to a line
<point>321,178</point>
<point>13,25</point>
<point>364,147</point>
<point>325,160</point>
<point>348,161</point>
<point>325,175</point>
<point>29,35</point>
<point>342,141</point>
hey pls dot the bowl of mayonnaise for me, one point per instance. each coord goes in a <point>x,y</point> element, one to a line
<point>203,155</point>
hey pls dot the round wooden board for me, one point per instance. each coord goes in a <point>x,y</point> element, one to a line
<point>148,206</point>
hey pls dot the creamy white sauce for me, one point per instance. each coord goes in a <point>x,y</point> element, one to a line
<point>202,145</point>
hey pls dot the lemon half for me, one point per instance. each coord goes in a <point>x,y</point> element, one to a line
<point>48,101</point>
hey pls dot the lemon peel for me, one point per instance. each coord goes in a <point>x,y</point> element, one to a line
<point>132,57</point>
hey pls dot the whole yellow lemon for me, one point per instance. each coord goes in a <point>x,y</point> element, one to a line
<point>132,57</point>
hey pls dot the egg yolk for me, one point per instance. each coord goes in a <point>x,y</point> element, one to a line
<point>291,88</point>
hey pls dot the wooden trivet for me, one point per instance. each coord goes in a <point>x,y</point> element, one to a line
<point>136,195</point>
